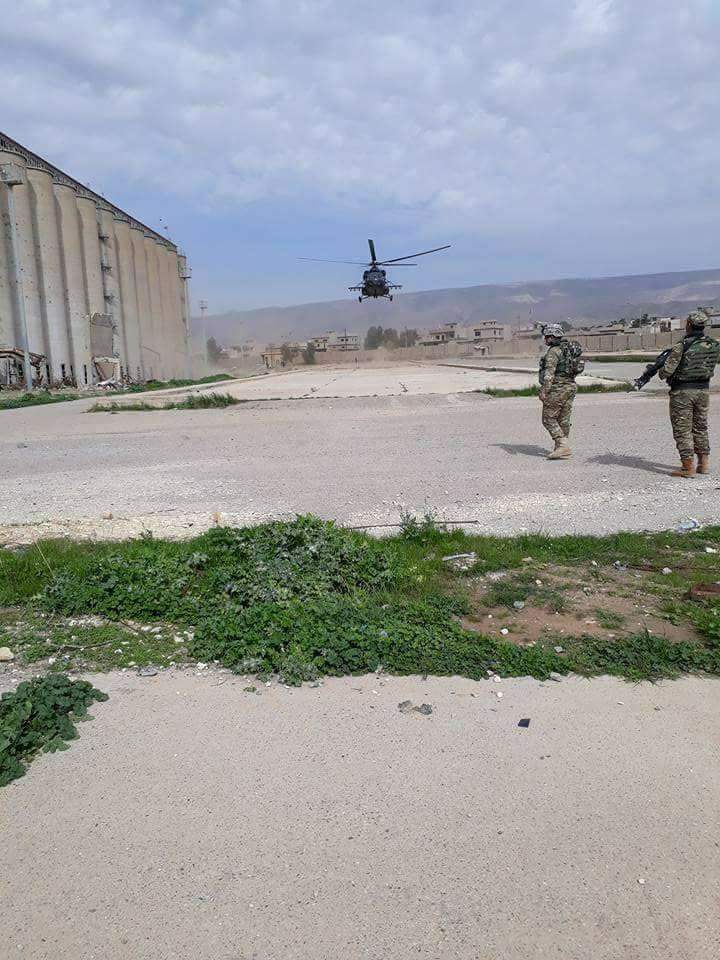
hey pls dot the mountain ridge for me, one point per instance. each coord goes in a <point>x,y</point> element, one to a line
<point>586,301</point>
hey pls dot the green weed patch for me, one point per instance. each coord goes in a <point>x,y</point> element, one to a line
<point>307,598</point>
<point>18,401</point>
<point>39,716</point>
<point>534,391</point>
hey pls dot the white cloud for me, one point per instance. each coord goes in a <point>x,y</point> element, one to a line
<point>480,117</point>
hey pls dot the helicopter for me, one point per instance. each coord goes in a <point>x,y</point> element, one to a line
<point>374,280</point>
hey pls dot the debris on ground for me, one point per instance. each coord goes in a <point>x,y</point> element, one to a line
<point>525,722</point>
<point>461,561</point>
<point>6,655</point>
<point>666,571</point>
<point>690,524</point>
<point>407,706</point>
<point>704,591</point>
<point>147,672</point>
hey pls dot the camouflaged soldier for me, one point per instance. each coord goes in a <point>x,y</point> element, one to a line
<point>688,371</point>
<point>558,369</point>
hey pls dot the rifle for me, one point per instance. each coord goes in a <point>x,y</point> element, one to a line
<point>651,369</point>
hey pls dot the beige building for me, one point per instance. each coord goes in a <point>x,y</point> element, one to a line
<point>83,284</point>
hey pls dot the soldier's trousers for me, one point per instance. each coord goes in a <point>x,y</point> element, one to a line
<point>689,419</point>
<point>557,410</point>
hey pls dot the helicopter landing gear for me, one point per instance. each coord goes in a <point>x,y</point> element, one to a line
<point>359,299</point>
<point>391,296</point>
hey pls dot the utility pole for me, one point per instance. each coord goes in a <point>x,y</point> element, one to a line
<point>11,174</point>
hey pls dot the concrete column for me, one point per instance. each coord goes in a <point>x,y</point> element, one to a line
<point>156,311</point>
<point>128,295</point>
<point>113,301</point>
<point>176,326</point>
<point>24,234</point>
<point>168,343</point>
<point>184,269</point>
<point>76,303</point>
<point>8,320</point>
<point>50,273</point>
<point>147,334</point>
<point>92,256</point>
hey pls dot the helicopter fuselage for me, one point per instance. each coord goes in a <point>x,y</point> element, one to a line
<point>375,285</point>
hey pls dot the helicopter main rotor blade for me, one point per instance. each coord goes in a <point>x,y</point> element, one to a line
<point>411,255</point>
<point>373,257</point>
<point>354,263</point>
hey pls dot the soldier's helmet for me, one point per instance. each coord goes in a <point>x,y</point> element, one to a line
<point>554,330</point>
<point>697,319</point>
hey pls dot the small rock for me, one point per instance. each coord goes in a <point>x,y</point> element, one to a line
<point>315,684</point>
<point>499,694</point>
<point>557,677</point>
<point>425,709</point>
<point>497,679</point>
<point>519,604</point>
<point>250,689</point>
<point>147,672</point>
<point>641,881</point>
<point>107,516</point>
<point>559,649</point>
<point>666,571</point>
<point>201,666</point>
<point>504,631</point>
<point>6,655</point>
<point>710,550</point>
<point>405,706</point>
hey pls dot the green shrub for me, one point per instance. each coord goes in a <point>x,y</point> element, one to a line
<point>275,563</point>
<point>39,715</point>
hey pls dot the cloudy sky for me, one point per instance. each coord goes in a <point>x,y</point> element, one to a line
<point>542,138</point>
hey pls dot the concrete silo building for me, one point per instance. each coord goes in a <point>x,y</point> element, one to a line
<point>86,291</point>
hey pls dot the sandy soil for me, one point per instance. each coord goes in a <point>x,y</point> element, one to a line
<point>194,820</point>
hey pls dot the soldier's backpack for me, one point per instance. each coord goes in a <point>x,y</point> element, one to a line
<point>698,361</point>
<point>571,363</point>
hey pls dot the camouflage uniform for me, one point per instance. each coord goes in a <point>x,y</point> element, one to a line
<point>688,370</point>
<point>559,389</point>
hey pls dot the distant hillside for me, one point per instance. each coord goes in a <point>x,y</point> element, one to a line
<point>585,301</point>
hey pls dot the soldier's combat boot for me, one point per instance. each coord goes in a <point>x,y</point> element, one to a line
<point>562,450</point>
<point>687,469</point>
<point>703,464</point>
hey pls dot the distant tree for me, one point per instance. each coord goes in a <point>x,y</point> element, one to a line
<point>373,338</point>
<point>308,353</point>
<point>408,338</point>
<point>214,350</point>
<point>390,338</point>
<point>288,352</point>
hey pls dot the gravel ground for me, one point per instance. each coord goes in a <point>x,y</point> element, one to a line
<point>357,460</point>
<point>194,820</point>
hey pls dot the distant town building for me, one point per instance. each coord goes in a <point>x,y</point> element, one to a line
<point>344,342</point>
